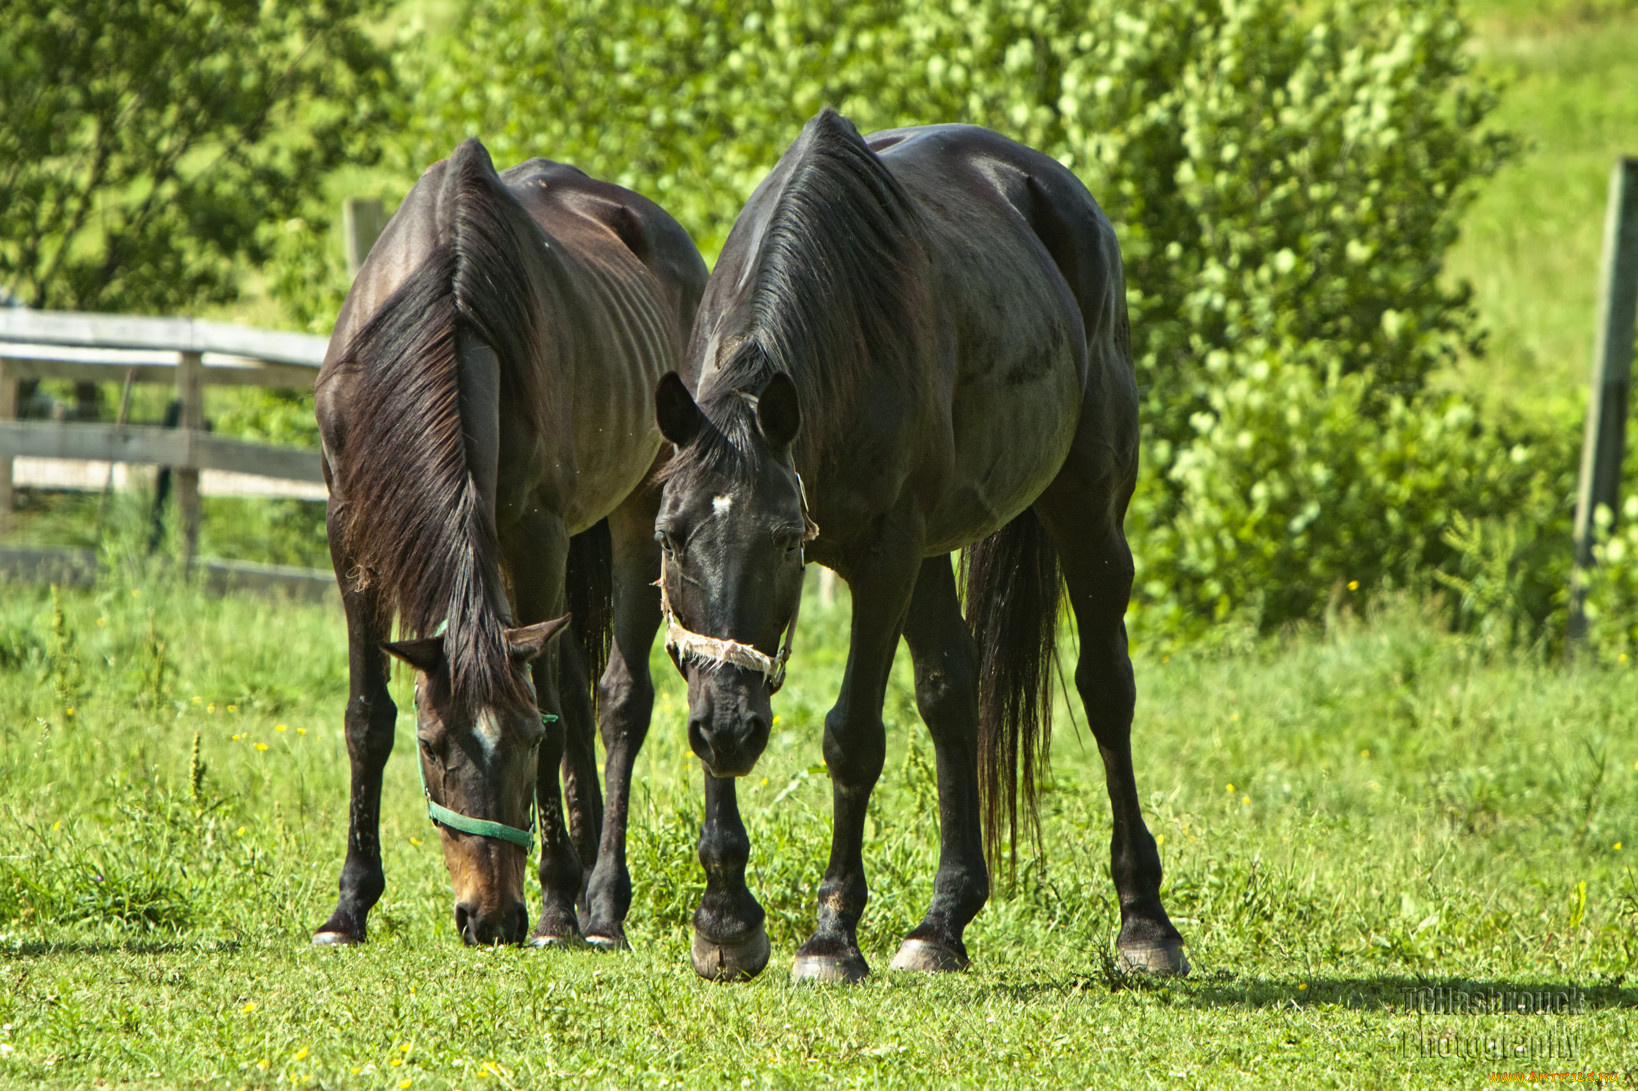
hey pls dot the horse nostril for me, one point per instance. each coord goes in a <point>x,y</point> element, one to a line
<point>699,741</point>
<point>463,921</point>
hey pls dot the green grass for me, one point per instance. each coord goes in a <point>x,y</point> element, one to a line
<point>1533,243</point>
<point>1406,812</point>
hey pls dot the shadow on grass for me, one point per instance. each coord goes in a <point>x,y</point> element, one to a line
<point>1405,993</point>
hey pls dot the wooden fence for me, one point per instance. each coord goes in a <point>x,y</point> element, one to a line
<point>183,353</point>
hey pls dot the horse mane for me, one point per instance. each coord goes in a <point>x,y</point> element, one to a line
<point>415,521</point>
<point>836,296</point>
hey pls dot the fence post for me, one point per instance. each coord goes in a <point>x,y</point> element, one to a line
<point>362,220</point>
<point>1604,443</point>
<point>190,391</point>
<point>8,411</point>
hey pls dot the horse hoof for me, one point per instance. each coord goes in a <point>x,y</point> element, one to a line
<point>928,958</point>
<point>608,941</point>
<point>830,969</point>
<point>556,942</point>
<point>1166,959</point>
<point>739,960</point>
<point>336,939</point>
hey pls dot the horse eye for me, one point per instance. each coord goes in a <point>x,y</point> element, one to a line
<point>426,748</point>
<point>666,545</point>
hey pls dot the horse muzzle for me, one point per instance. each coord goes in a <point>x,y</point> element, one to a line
<point>728,722</point>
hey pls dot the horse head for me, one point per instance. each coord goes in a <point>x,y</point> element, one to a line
<point>732,526</point>
<point>478,772</point>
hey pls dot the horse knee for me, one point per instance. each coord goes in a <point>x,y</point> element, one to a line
<point>854,752</point>
<point>369,724</point>
<point>947,698</point>
<point>627,704</point>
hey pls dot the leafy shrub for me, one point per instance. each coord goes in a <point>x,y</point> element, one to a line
<point>1612,586</point>
<point>1294,495</point>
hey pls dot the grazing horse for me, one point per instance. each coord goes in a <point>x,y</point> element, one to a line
<point>912,344</point>
<point>487,428</point>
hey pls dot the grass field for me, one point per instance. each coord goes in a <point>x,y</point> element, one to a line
<point>1532,244</point>
<point>1345,818</point>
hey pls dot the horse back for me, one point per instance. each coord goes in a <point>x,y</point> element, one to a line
<point>1034,347</point>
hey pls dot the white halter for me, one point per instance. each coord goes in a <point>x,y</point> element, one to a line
<point>712,653</point>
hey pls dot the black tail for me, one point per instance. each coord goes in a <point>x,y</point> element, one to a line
<point>1013,590</point>
<point>590,591</point>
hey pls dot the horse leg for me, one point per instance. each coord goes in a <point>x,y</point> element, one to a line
<point>730,939</point>
<point>946,663</point>
<point>536,557</point>
<point>583,798</point>
<point>368,723</point>
<point>1097,566</point>
<point>855,747</point>
<point>625,705</point>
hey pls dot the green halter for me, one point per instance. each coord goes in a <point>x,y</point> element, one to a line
<point>443,816</point>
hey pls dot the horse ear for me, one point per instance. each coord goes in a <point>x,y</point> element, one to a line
<point>529,641</point>
<point>675,410</point>
<point>777,413</point>
<point>426,654</point>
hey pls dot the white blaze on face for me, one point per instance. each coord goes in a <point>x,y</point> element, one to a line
<point>722,505</point>
<point>488,731</point>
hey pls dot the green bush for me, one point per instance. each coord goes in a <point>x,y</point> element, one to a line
<point>1295,495</point>
<point>1612,586</point>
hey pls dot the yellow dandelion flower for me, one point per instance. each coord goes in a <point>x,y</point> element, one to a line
<point>101,622</point>
<point>1622,658</point>
<point>764,782</point>
<point>69,711</point>
<point>233,708</point>
<point>301,1054</point>
<point>1245,800</point>
<point>1160,839</point>
<point>1353,585</point>
<point>1618,846</point>
<point>261,746</point>
<point>1365,753</point>
<point>416,841</point>
<point>280,727</point>
<point>1165,659</point>
<point>406,1047</point>
<point>262,1064</point>
<point>241,832</point>
<point>197,699</point>
<point>403,1083</point>
<point>250,1005</point>
<point>1302,986</point>
<point>1233,717</point>
<point>395,1062</point>
<point>211,707</point>
<point>1229,788</point>
<point>299,730</point>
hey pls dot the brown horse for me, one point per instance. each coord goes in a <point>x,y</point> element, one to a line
<point>487,437</point>
<point>923,335</point>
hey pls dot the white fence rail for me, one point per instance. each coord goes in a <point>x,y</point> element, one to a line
<point>186,353</point>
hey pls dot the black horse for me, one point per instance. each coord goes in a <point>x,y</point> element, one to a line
<point>922,335</point>
<point>489,448</point>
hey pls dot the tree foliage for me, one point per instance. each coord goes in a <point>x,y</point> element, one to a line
<point>148,147</point>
